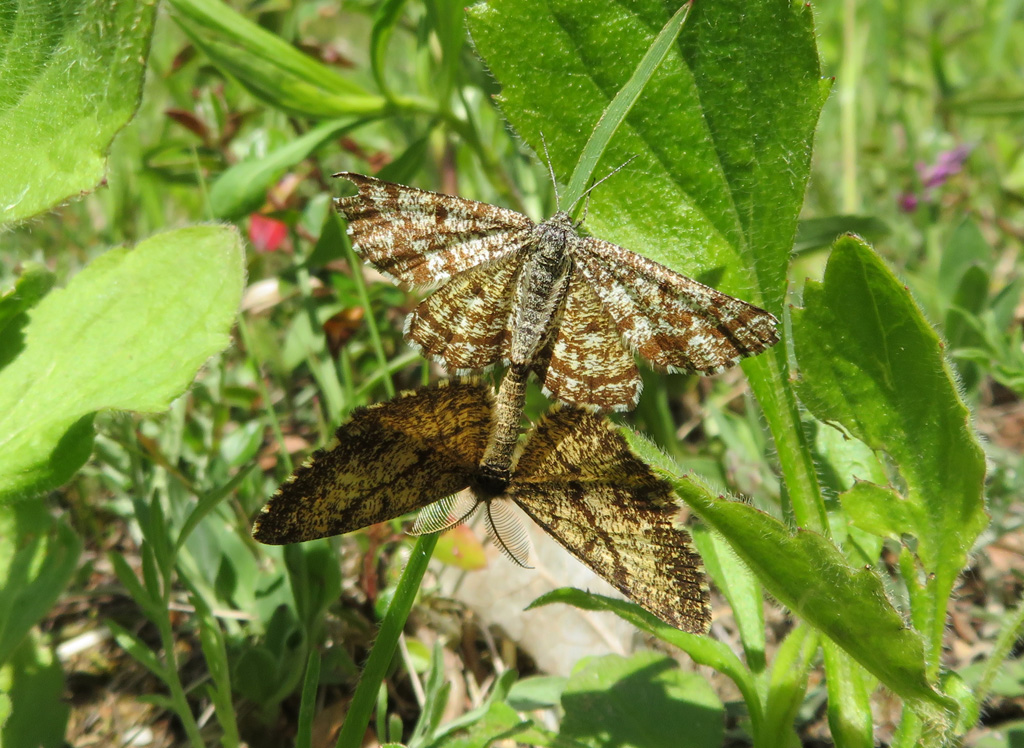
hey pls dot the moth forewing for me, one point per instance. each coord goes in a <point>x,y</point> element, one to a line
<point>385,461</point>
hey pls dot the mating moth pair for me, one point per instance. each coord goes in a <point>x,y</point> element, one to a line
<point>542,299</point>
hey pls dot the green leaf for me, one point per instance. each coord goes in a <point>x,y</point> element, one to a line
<point>243,188</point>
<point>139,650</point>
<point>384,22</point>
<point>537,692</point>
<point>72,77</point>
<point>849,699</point>
<point>618,108</point>
<point>38,556</point>
<point>740,588</point>
<point>34,682</point>
<point>813,233</point>
<point>644,701</point>
<point>128,333</point>
<point>721,138</point>
<point>870,361</point>
<point>787,685</point>
<point>810,576</point>
<point>307,706</point>
<point>33,284</point>
<point>704,650</point>
<point>498,723</point>
<point>710,193</point>
<point>880,510</point>
<point>268,67</point>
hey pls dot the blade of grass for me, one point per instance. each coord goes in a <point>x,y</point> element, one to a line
<point>307,706</point>
<point>356,266</point>
<point>377,664</point>
<point>619,107</point>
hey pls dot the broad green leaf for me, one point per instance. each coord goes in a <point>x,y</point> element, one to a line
<point>810,576</point>
<point>721,142</point>
<point>537,692</point>
<point>643,701</point>
<point>710,193</point>
<point>880,510</point>
<point>870,361</point>
<point>128,333</point>
<point>38,556</point>
<point>72,78</point>
<point>268,67</point>
<point>618,108</point>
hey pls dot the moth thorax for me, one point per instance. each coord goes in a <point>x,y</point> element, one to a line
<point>491,481</point>
<point>539,295</point>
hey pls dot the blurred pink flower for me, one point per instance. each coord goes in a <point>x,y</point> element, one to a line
<point>266,234</point>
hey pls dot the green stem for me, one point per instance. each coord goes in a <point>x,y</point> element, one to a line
<point>173,681</point>
<point>356,266</point>
<point>1014,625</point>
<point>354,728</point>
<point>848,108</point>
<point>261,385</point>
<point>771,386</point>
<point>394,365</point>
<point>307,706</point>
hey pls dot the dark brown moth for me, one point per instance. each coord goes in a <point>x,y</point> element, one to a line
<point>574,475</point>
<point>541,297</point>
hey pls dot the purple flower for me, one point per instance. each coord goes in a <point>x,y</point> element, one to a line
<point>946,165</point>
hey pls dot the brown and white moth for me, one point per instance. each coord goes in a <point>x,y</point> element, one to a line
<point>541,297</point>
<point>574,475</point>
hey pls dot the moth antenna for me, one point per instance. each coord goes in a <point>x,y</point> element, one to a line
<point>551,170</point>
<point>586,207</point>
<point>598,183</point>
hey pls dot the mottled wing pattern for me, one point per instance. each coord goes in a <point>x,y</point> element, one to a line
<point>387,460</point>
<point>464,324</point>
<point>579,480</point>
<point>671,320</point>
<point>588,364</point>
<point>422,238</point>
